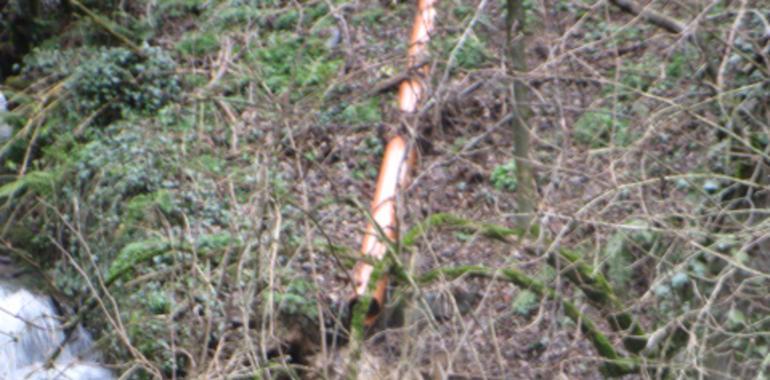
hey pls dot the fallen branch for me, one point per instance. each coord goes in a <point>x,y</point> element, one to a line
<point>393,82</point>
<point>658,19</point>
<point>447,220</point>
<point>600,293</point>
<point>668,24</point>
<point>591,282</point>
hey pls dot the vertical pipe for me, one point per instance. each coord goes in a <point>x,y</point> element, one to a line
<point>394,170</point>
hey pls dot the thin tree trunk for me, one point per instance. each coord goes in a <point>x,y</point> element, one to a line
<point>525,193</point>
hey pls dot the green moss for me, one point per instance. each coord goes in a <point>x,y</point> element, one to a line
<point>133,255</point>
<point>198,44</point>
<point>39,182</point>
<point>362,113</point>
<point>600,128</point>
<point>450,221</point>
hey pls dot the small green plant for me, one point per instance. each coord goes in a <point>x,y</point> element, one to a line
<point>525,302</point>
<point>296,299</point>
<point>138,207</point>
<point>198,44</point>
<point>472,54</point>
<point>503,177</point>
<point>363,113</point>
<point>600,128</point>
<point>158,302</point>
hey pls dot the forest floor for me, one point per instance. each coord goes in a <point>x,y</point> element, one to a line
<point>226,220</point>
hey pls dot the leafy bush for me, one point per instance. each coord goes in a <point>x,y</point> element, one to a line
<point>111,82</point>
<point>117,81</point>
<point>55,64</point>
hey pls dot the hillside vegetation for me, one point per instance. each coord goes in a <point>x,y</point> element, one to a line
<point>190,180</point>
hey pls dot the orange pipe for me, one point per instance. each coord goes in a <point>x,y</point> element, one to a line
<point>393,176</point>
<point>410,91</point>
<point>394,171</point>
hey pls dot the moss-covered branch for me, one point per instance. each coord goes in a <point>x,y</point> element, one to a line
<point>616,364</point>
<point>600,293</point>
<point>447,220</point>
<point>569,262</point>
<point>144,250</point>
<point>359,310</point>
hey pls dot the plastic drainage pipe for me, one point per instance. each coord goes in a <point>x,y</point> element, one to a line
<point>397,162</point>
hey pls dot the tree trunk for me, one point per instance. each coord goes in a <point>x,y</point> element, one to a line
<point>525,193</point>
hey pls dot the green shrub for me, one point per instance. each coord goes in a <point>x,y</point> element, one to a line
<point>503,177</point>
<point>472,54</point>
<point>53,64</point>
<point>117,81</point>
<point>108,82</point>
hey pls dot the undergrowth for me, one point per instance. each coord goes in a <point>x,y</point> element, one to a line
<point>188,175</point>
